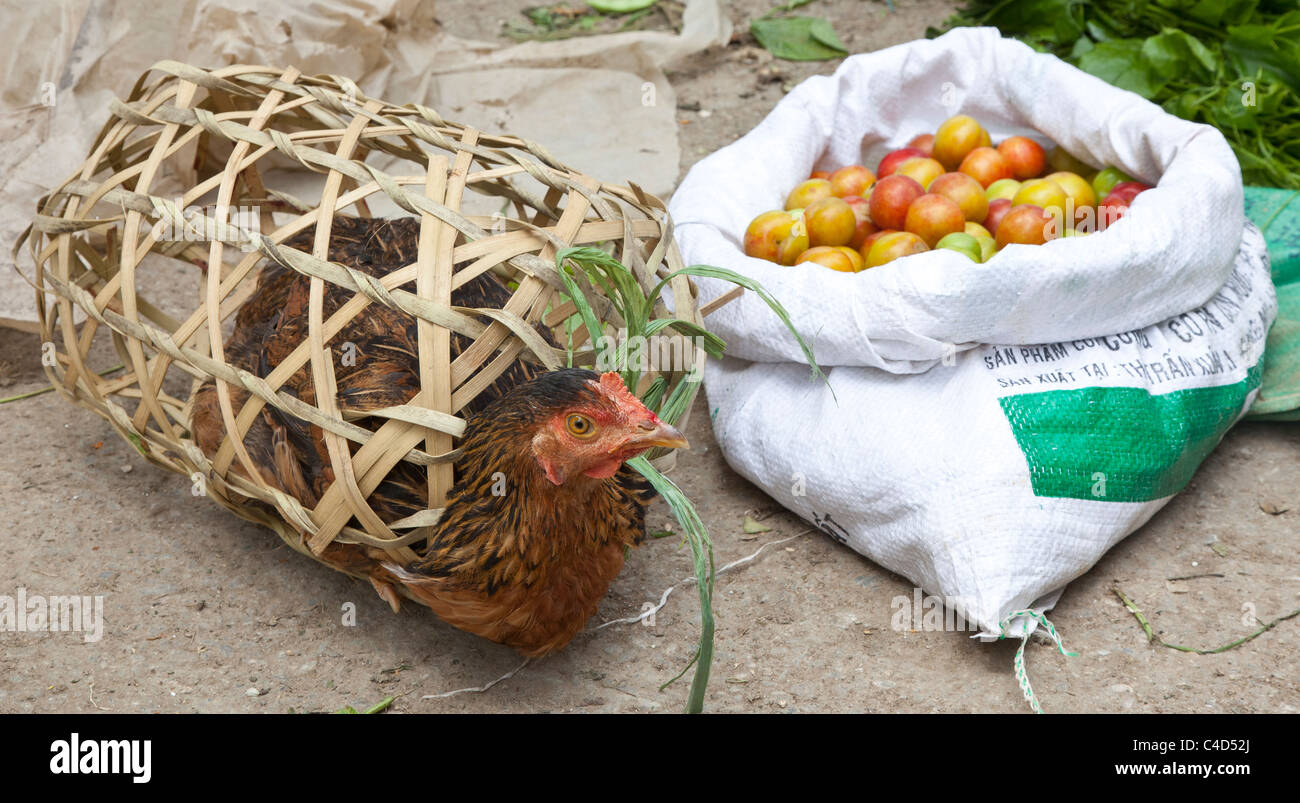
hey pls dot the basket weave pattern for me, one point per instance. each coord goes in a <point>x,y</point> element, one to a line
<point>226,128</point>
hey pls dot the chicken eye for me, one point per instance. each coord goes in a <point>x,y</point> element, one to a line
<point>580,426</point>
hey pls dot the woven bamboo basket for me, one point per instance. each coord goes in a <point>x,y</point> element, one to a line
<point>224,131</point>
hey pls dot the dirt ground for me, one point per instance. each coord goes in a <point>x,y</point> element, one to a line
<point>204,612</point>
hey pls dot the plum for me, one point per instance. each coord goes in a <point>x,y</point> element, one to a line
<point>1025,157</point>
<point>814,189</point>
<point>895,158</point>
<point>853,255</point>
<point>794,244</point>
<point>986,166</point>
<point>1002,188</point>
<point>865,248</point>
<point>765,233</point>
<point>830,221</point>
<point>1128,190</point>
<point>965,191</point>
<point>932,217</point>
<point>862,211</point>
<point>829,257</point>
<point>922,169</point>
<point>998,209</point>
<point>957,137</point>
<point>1078,192</point>
<point>1106,179</point>
<point>962,243</point>
<point>1042,193</point>
<point>851,180</point>
<point>894,245</point>
<point>1027,224</point>
<point>890,198</point>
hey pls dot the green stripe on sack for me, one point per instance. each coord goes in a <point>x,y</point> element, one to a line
<point>1121,444</point>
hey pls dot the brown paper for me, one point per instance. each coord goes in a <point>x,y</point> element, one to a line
<point>601,103</point>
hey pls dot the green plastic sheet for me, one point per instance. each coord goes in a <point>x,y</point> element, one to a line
<point>1277,213</point>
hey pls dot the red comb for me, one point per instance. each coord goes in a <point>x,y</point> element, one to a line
<point>612,384</point>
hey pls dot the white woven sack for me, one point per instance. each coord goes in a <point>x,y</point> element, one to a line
<point>996,480</point>
<point>991,475</point>
<point>1175,253</point>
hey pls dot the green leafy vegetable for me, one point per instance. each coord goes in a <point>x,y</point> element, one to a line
<point>1234,64</point>
<point>798,38</point>
<point>564,20</point>
<point>1120,62</point>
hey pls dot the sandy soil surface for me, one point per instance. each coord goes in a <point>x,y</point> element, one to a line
<point>203,612</point>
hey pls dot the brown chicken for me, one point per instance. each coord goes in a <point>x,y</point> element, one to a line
<point>543,507</point>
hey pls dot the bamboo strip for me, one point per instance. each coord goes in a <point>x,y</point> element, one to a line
<point>91,232</point>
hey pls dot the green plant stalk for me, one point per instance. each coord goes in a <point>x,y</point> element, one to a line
<point>621,287</point>
<point>374,709</point>
<point>1152,638</point>
<point>696,535</point>
<point>39,391</point>
<point>709,271</point>
<point>675,405</point>
<point>654,395</point>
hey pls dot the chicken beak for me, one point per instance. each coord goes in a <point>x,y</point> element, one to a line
<point>660,434</point>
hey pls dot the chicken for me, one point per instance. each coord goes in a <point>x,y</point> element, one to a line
<point>527,567</point>
<point>543,508</point>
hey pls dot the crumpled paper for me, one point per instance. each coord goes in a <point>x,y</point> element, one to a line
<point>600,104</point>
